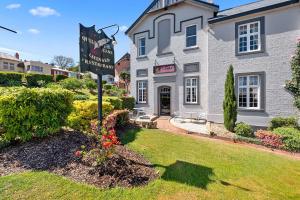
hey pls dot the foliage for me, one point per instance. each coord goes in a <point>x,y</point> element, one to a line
<point>27,113</point>
<point>115,102</point>
<point>290,137</point>
<point>86,111</point>
<point>10,79</point>
<point>71,84</point>
<point>294,85</point>
<point>60,77</point>
<point>81,97</point>
<point>63,61</point>
<point>122,118</point>
<point>230,103</point>
<point>90,84</point>
<point>128,102</point>
<point>112,90</point>
<point>243,129</point>
<point>247,139</point>
<point>38,80</point>
<point>278,122</point>
<point>125,76</point>
<point>269,139</point>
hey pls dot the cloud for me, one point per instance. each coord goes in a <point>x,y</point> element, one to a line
<point>33,31</point>
<point>43,11</point>
<point>13,6</point>
<point>123,28</point>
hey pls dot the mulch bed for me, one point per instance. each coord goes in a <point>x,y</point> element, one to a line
<point>56,154</point>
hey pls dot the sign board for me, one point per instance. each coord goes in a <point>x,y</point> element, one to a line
<point>96,52</point>
<point>162,69</point>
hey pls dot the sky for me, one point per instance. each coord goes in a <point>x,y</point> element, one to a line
<point>47,28</point>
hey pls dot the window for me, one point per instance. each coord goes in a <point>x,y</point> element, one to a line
<point>142,91</point>
<point>249,39</point>
<point>191,90</point>
<point>5,65</point>
<point>11,66</point>
<point>141,47</point>
<point>191,36</point>
<point>164,36</point>
<point>36,68</point>
<point>249,92</point>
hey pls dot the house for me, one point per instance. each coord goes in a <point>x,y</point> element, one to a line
<point>37,67</point>
<point>181,50</point>
<point>122,65</point>
<point>10,63</point>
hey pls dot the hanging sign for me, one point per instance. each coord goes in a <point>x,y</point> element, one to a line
<point>162,69</point>
<point>96,52</point>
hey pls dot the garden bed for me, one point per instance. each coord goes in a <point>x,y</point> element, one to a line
<point>56,154</point>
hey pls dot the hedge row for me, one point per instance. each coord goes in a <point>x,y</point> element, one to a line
<point>10,79</point>
<point>27,113</point>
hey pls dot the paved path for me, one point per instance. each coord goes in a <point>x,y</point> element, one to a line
<point>163,123</point>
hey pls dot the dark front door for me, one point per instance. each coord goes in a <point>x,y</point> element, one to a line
<point>165,101</point>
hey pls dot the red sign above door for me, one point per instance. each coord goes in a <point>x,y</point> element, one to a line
<point>162,69</point>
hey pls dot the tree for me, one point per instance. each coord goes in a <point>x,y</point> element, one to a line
<point>125,76</point>
<point>230,103</point>
<point>294,85</point>
<point>63,62</point>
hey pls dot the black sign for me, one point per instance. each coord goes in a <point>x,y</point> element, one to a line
<point>96,52</point>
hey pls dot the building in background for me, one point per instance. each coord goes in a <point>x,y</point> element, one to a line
<point>122,65</point>
<point>37,67</point>
<point>10,63</point>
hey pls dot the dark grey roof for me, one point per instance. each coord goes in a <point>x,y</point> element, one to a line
<point>153,4</point>
<point>258,6</point>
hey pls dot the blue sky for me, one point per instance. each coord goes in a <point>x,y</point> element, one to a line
<point>50,27</point>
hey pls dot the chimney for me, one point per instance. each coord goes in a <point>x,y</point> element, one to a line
<point>17,56</point>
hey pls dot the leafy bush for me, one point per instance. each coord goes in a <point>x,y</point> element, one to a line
<point>10,79</point>
<point>278,122</point>
<point>247,139</point>
<point>290,137</point>
<point>112,90</point>
<point>71,84</point>
<point>122,117</point>
<point>38,80</point>
<point>86,111</point>
<point>269,139</point>
<point>90,84</point>
<point>60,77</point>
<point>53,86</point>
<point>128,103</point>
<point>27,113</point>
<point>115,102</point>
<point>81,97</point>
<point>107,86</point>
<point>243,129</point>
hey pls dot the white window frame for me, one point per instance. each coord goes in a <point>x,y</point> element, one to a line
<point>140,47</point>
<point>191,87</point>
<point>11,66</point>
<point>142,87</point>
<point>248,35</point>
<point>248,86</point>
<point>186,36</point>
<point>5,65</point>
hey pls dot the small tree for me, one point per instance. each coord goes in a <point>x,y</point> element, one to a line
<point>125,76</point>
<point>294,85</point>
<point>63,62</point>
<point>229,103</point>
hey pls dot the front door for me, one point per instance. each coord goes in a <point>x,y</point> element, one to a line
<point>165,101</point>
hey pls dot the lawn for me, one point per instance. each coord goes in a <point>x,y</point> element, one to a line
<point>190,169</point>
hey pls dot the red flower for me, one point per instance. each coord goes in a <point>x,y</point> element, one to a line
<point>107,145</point>
<point>78,154</point>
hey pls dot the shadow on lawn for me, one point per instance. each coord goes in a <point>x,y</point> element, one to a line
<point>128,134</point>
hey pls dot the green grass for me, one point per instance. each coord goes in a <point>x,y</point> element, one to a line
<point>190,169</point>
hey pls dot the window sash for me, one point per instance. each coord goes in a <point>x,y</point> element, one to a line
<point>245,35</point>
<point>191,36</point>
<point>141,46</point>
<point>244,91</point>
<point>142,91</point>
<point>191,90</point>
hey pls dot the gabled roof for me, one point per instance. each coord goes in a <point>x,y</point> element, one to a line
<point>8,57</point>
<point>126,56</point>
<point>154,2</point>
<point>246,9</point>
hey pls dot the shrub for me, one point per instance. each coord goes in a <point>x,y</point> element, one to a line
<point>122,117</point>
<point>278,122</point>
<point>128,103</point>
<point>107,86</point>
<point>71,84</point>
<point>53,86</point>
<point>229,103</point>
<point>10,79</point>
<point>90,84</point>
<point>81,97</point>
<point>38,80</point>
<point>247,139</point>
<point>290,137</point>
<point>27,113</point>
<point>243,129</point>
<point>60,77</point>
<point>86,111</point>
<point>115,102</point>
<point>269,139</point>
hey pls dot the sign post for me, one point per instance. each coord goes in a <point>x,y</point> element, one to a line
<point>97,56</point>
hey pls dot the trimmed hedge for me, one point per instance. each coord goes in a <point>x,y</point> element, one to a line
<point>60,77</point>
<point>27,113</point>
<point>116,102</point>
<point>128,103</point>
<point>278,122</point>
<point>38,80</point>
<point>290,138</point>
<point>10,79</point>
